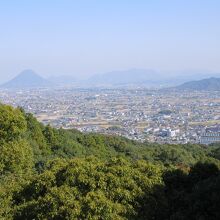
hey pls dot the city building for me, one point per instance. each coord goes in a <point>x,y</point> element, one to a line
<point>210,136</point>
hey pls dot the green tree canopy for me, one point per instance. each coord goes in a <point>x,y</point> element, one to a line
<point>12,123</point>
<point>15,152</point>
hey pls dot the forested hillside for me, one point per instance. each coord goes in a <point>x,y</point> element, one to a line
<point>48,173</point>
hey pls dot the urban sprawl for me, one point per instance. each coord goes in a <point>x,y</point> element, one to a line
<point>163,116</point>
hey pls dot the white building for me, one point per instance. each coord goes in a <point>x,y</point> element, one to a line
<point>210,138</point>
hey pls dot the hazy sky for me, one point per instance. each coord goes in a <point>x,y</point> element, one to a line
<point>83,37</point>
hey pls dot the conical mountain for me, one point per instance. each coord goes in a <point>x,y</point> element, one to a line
<point>27,79</point>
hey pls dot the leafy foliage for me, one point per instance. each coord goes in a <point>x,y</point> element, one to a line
<point>12,123</point>
<point>48,173</point>
<point>88,189</point>
<point>15,151</point>
<point>195,195</point>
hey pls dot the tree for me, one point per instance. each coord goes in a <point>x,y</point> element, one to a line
<point>15,157</point>
<point>50,135</point>
<point>35,132</point>
<point>12,123</point>
<point>15,152</point>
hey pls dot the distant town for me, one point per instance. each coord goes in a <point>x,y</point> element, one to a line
<point>162,116</point>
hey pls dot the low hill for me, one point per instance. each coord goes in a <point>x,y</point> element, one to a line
<point>27,79</point>
<point>204,84</point>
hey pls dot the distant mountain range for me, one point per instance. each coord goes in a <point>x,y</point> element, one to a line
<point>27,79</point>
<point>209,84</point>
<point>147,78</point>
<point>134,77</point>
<point>138,77</point>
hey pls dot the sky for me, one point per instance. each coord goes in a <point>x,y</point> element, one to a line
<point>85,37</point>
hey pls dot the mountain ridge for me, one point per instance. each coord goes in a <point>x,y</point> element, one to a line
<point>130,76</point>
<point>212,83</point>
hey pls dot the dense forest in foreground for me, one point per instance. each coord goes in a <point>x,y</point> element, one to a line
<point>48,173</point>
